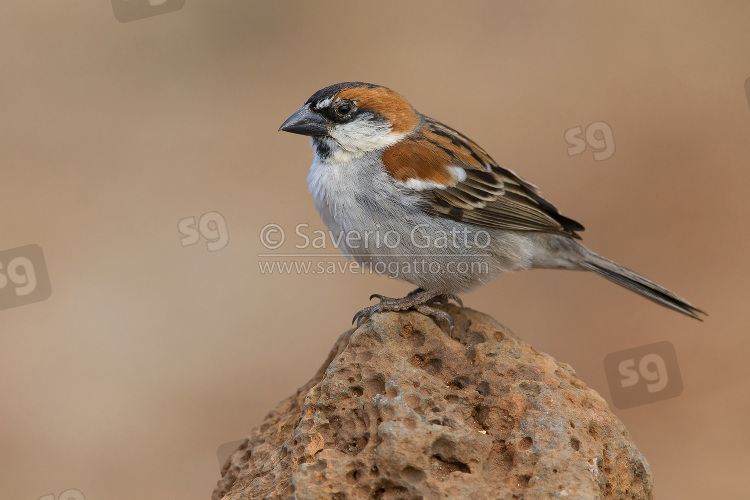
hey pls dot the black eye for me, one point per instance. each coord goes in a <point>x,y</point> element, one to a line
<point>344,108</point>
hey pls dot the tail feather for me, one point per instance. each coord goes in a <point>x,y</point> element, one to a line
<point>640,285</point>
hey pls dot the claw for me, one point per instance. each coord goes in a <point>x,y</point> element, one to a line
<point>357,317</point>
<point>365,313</point>
<point>380,297</point>
<point>455,299</point>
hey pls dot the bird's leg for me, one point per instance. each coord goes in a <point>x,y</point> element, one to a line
<point>417,300</point>
<point>445,298</point>
<point>441,299</point>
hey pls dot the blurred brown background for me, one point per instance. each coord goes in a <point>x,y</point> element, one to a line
<point>149,355</point>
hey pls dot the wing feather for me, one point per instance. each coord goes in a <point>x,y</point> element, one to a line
<point>489,195</point>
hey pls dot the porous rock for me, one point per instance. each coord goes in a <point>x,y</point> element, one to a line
<point>400,410</point>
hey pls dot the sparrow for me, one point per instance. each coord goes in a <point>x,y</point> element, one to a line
<point>413,198</point>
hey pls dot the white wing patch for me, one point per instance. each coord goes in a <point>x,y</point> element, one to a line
<point>419,185</point>
<point>458,174</point>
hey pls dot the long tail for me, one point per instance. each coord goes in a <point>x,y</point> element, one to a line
<point>638,284</point>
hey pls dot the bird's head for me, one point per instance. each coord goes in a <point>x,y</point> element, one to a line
<point>352,119</point>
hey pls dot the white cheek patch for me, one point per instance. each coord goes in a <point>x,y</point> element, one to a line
<point>363,136</point>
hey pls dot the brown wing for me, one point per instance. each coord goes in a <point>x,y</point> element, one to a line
<point>487,195</point>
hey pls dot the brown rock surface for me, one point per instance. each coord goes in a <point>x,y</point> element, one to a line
<point>401,410</point>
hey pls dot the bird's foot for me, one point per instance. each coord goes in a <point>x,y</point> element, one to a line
<point>417,300</point>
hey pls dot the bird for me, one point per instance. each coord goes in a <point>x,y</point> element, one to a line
<point>412,198</point>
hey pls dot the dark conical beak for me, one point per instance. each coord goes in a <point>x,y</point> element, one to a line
<point>305,122</point>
